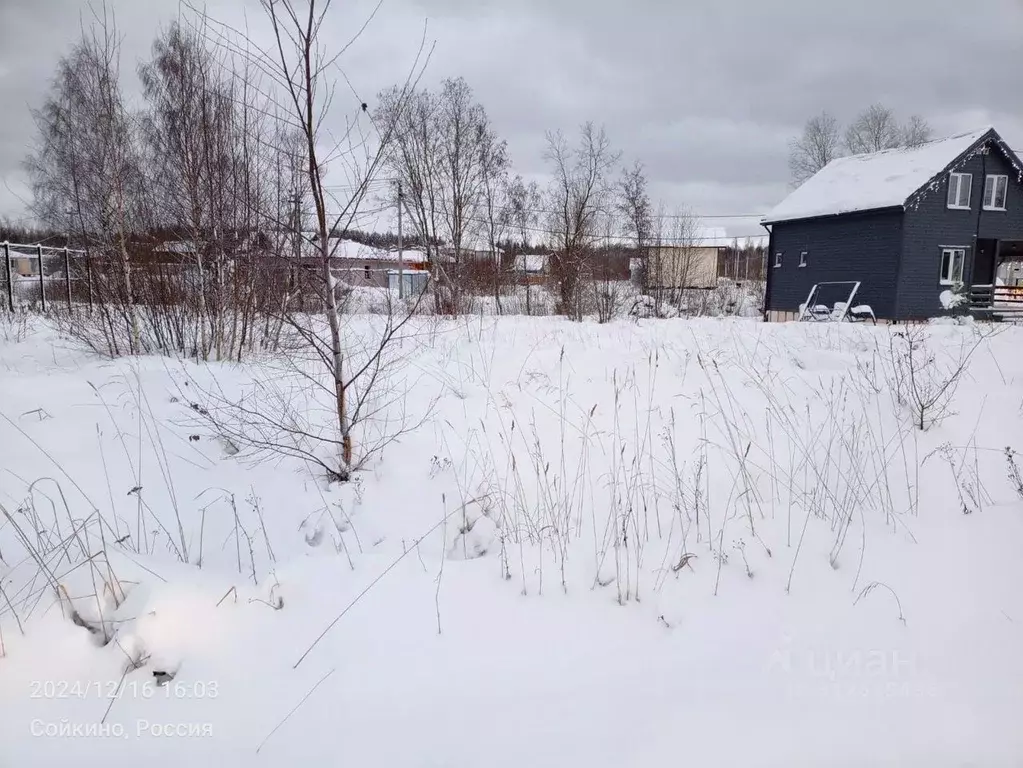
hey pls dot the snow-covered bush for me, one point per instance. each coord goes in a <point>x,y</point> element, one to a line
<point>728,299</point>
<point>955,301</point>
<point>15,326</point>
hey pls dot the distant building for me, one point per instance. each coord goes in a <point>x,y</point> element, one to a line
<point>694,263</point>
<point>531,268</point>
<point>363,266</point>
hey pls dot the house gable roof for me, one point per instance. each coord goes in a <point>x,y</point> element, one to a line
<point>888,179</point>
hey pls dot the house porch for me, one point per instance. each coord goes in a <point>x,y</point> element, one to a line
<point>996,290</point>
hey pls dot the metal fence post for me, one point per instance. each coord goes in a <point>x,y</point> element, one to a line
<point>42,279</point>
<point>7,271</point>
<point>88,275</point>
<point>67,276</point>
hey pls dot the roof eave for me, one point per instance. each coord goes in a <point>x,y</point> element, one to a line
<point>819,216</point>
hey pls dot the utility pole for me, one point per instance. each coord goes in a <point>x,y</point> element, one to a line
<point>296,222</point>
<point>67,275</point>
<point>401,255</point>
<point>295,270</point>
<point>7,271</point>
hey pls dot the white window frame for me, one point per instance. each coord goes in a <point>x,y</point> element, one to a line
<point>777,259</point>
<point>949,278</point>
<point>803,258</point>
<point>958,179</point>
<point>994,179</point>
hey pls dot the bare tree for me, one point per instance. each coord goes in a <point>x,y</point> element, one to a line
<point>300,66</point>
<point>875,129</point>
<point>818,146</point>
<point>676,264</point>
<point>85,172</point>
<point>915,132</point>
<point>195,163</point>
<point>413,159</point>
<point>192,132</point>
<point>604,264</point>
<point>634,205</point>
<point>523,202</point>
<point>446,153</point>
<point>497,213</point>
<point>579,194</point>
<point>923,377</point>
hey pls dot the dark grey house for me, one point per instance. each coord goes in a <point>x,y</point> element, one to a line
<point>907,224</point>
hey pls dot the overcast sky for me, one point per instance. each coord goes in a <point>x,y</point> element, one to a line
<point>706,93</point>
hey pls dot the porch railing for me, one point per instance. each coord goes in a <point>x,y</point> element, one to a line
<point>997,302</point>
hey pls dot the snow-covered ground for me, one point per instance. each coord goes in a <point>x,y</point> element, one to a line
<point>708,543</point>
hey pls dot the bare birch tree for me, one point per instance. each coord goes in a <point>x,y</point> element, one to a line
<point>445,152</point>
<point>579,194</point>
<point>634,205</point>
<point>192,132</point>
<point>301,67</point>
<point>85,171</point>
<point>413,158</point>
<point>496,211</point>
<point>524,201</point>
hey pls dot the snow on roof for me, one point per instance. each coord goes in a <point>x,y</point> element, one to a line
<point>351,250</point>
<point>177,246</point>
<point>531,262</point>
<point>868,182</point>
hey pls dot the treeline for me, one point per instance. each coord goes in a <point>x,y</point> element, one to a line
<point>874,129</point>
<point>20,233</point>
<point>216,158</point>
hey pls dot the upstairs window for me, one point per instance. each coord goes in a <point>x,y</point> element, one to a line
<point>777,260</point>
<point>995,189</point>
<point>952,260</point>
<point>804,258</point>
<point>959,190</point>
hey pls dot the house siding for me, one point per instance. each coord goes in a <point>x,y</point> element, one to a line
<point>930,224</point>
<point>863,247</point>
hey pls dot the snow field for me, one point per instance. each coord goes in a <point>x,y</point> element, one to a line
<point>714,541</point>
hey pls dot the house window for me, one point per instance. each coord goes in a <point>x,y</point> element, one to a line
<point>803,258</point>
<point>959,185</point>
<point>995,189</point>
<point>368,276</point>
<point>952,260</point>
<point>777,260</point>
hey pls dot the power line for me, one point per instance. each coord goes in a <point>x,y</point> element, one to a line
<point>651,242</point>
<point>506,208</point>
<point>385,181</point>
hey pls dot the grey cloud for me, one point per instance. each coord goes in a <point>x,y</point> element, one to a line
<point>706,94</point>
